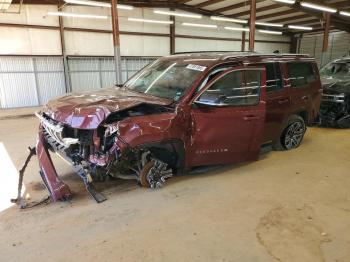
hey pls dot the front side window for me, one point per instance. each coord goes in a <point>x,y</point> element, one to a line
<point>236,88</point>
<point>300,74</point>
<point>165,79</point>
<point>273,77</point>
<point>211,76</point>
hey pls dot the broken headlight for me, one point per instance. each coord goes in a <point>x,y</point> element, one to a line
<point>110,133</point>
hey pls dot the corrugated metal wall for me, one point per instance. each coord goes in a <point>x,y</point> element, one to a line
<point>339,45</point>
<point>32,81</point>
<point>89,73</point>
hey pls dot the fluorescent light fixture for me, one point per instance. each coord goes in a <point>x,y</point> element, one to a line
<point>300,27</point>
<point>269,24</point>
<point>227,19</point>
<point>150,21</point>
<point>125,7</point>
<point>77,15</point>
<point>200,25</point>
<point>163,12</point>
<point>344,13</point>
<point>270,32</point>
<point>90,3</point>
<point>318,7</point>
<point>286,1</point>
<point>100,4</point>
<point>5,4</point>
<point>237,28</point>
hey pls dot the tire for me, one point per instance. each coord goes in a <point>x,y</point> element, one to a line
<point>292,135</point>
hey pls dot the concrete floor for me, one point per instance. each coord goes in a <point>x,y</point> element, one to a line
<point>288,206</point>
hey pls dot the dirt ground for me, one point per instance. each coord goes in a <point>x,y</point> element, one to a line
<point>288,206</point>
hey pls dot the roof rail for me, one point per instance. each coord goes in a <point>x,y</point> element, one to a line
<point>262,54</point>
<point>198,52</point>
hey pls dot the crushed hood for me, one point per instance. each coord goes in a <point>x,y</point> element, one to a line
<point>87,110</point>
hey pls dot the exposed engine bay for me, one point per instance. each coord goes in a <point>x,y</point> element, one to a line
<point>98,154</point>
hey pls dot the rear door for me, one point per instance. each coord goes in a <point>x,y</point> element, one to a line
<point>277,100</point>
<point>228,118</point>
<point>304,85</point>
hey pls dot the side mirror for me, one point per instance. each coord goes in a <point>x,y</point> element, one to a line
<point>211,99</point>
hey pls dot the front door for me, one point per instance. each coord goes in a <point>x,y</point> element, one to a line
<point>228,118</point>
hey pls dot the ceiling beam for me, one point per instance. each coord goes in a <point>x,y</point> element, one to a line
<point>261,9</point>
<point>239,5</point>
<point>36,2</point>
<point>272,15</point>
<point>182,1</point>
<point>207,3</point>
<point>343,4</point>
<point>337,20</point>
<point>290,18</point>
<point>307,22</point>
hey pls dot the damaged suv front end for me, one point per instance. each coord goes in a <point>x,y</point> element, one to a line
<point>130,132</point>
<point>335,106</point>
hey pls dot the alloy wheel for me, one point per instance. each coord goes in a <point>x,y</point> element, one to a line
<point>294,135</point>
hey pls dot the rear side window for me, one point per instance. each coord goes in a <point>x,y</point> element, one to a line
<point>300,74</point>
<point>273,77</point>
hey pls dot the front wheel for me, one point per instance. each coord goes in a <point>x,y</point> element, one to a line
<point>154,173</point>
<point>292,135</point>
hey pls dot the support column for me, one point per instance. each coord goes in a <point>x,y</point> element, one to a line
<point>172,36</point>
<point>325,39</point>
<point>116,42</point>
<point>243,41</point>
<point>64,54</point>
<point>294,45</point>
<point>252,25</point>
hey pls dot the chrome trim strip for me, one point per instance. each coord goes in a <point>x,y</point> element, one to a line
<point>55,131</point>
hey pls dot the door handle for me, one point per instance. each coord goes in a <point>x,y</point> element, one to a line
<point>305,97</point>
<point>283,101</point>
<point>250,118</point>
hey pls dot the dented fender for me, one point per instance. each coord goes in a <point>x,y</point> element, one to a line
<point>137,131</point>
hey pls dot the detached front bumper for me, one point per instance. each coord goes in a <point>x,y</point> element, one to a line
<point>50,137</point>
<point>57,189</point>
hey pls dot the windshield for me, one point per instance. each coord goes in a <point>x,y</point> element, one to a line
<point>165,79</point>
<point>338,70</point>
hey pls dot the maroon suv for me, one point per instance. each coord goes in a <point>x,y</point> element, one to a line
<point>180,112</point>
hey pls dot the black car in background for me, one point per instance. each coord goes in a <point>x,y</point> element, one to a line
<point>335,105</point>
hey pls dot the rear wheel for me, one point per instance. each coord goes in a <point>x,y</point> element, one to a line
<point>292,134</point>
